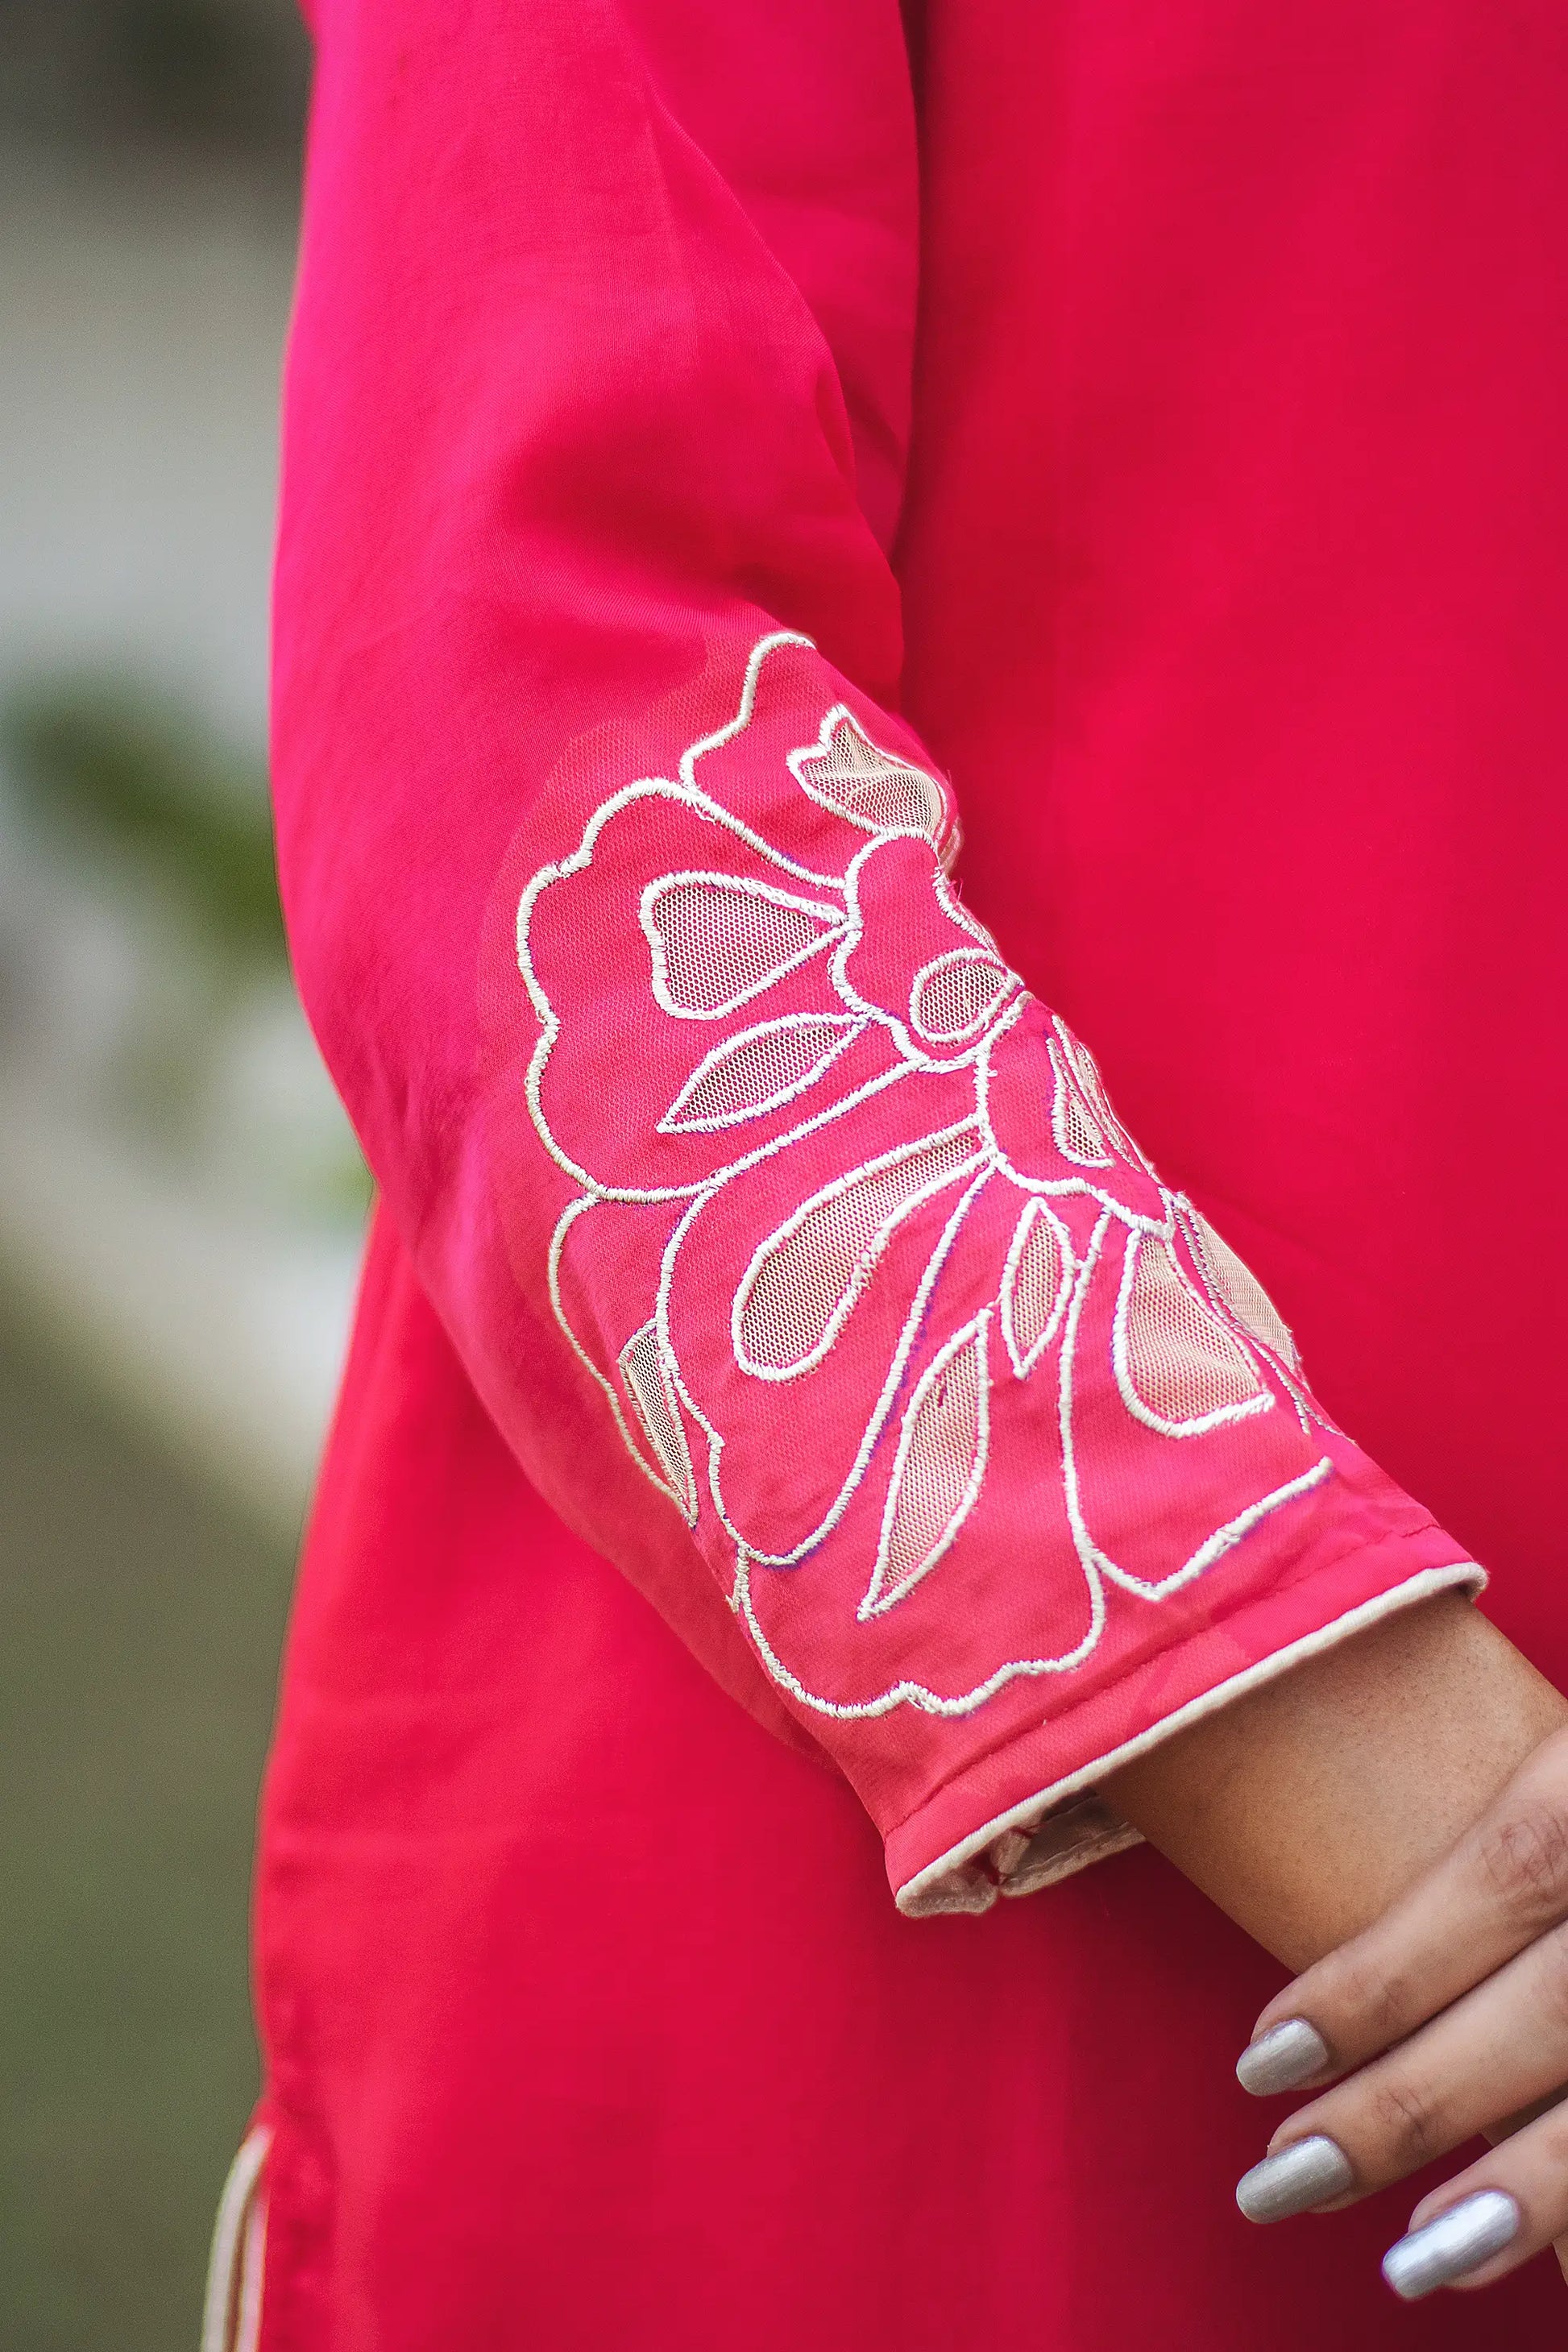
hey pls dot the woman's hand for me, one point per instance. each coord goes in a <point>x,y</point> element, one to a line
<point>1448,2016</point>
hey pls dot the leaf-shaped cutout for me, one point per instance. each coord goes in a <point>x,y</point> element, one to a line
<point>718,941</point>
<point>957,995</point>
<point>846,772</point>
<point>1077,1136</point>
<point>1242,1291</point>
<point>1035,1285</point>
<point>802,1282</point>
<point>1091,1086</point>
<point>937,1471</point>
<point>751,1075</point>
<point>648,1386</point>
<point>1178,1365</point>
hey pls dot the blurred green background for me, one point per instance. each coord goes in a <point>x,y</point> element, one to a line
<point>181,1200</point>
<point>140,1619</point>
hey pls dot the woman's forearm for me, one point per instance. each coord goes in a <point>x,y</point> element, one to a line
<point>1307,1806</point>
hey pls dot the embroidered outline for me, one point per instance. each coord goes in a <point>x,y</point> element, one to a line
<point>842,934</point>
<point>1024,1360</point>
<point>737,885</point>
<point>870,1256</point>
<point>1137,1405</point>
<point>1006,982</point>
<point>880,1596</point>
<point>818,754</point>
<point>850,1025</point>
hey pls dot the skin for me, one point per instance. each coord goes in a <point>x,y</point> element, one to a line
<point>1390,1820</point>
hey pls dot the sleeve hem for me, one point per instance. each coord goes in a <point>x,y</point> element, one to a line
<point>1061,1827</point>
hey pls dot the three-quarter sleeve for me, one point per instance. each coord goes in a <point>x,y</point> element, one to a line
<point>795,1246</point>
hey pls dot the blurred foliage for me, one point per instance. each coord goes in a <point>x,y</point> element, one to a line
<point>230,74</point>
<point>113,761</point>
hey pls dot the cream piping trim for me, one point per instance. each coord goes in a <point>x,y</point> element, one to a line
<point>1420,1587</point>
<point>239,2239</point>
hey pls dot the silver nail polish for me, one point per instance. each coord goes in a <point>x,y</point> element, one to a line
<point>1307,2173</point>
<point>1290,2053</point>
<point>1469,2234</point>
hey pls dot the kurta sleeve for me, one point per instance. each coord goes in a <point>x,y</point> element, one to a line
<point>794,1245</point>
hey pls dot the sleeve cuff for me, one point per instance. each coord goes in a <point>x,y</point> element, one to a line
<point>1048,1822</point>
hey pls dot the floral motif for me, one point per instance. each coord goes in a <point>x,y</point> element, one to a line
<point>873,1279</point>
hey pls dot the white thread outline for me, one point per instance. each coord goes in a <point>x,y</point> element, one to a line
<point>1005,982</point>
<point>1024,1360</point>
<point>870,1256</point>
<point>818,754</point>
<point>880,1596</point>
<point>681,1479</point>
<point>1067,1097</point>
<point>849,1026</point>
<point>738,885</point>
<point>1097,1565</point>
<point>1197,1424</point>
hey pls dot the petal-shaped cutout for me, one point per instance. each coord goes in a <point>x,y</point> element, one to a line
<point>1239,1287</point>
<point>756,1073</point>
<point>1077,1136</point>
<point>954,996</point>
<point>937,1471</point>
<point>806,1277</point>
<point>1035,1285</point>
<point>846,772</point>
<point>719,940</point>
<point>1091,1086</point>
<point>1178,1367</point>
<point>651,1391</point>
<point>1020,1085</point>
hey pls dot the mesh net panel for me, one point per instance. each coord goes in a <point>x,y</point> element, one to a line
<point>1243,1294</point>
<point>865,783</point>
<point>1076,1132</point>
<point>1035,1283</point>
<point>943,1439</point>
<point>752,1072</point>
<point>721,942</point>
<point>832,1250</point>
<point>957,996</point>
<point>1087,1070</point>
<point>1181,1360</point>
<point>644,1376</point>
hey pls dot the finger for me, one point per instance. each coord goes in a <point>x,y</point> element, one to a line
<point>1501,1887</point>
<point>1464,2235</point>
<point>1496,2051</point>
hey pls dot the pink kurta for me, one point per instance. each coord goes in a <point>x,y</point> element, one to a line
<point>829,567</point>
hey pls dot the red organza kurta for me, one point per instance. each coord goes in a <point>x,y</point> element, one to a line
<point>727,451</point>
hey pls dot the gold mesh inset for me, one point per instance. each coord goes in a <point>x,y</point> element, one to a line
<point>867,785</point>
<point>815,1269</point>
<point>1181,1362</point>
<point>957,995</point>
<point>751,1074</point>
<point>721,942</point>
<point>937,1475</point>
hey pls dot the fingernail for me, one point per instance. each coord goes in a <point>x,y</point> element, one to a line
<point>1289,2053</point>
<point>1308,2172</point>
<point>1469,2234</point>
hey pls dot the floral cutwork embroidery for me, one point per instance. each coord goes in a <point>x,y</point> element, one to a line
<point>892,1192</point>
